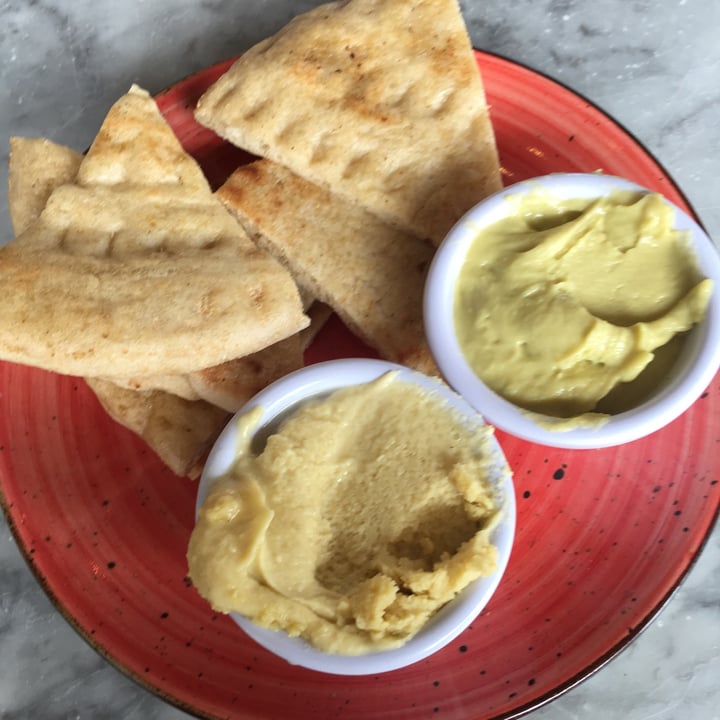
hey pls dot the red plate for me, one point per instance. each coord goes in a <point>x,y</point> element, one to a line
<point>604,536</point>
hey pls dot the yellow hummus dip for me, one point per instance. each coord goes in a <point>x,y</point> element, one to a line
<point>364,514</point>
<point>563,301</point>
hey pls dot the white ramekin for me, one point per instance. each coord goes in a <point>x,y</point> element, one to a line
<point>278,401</point>
<point>690,376</point>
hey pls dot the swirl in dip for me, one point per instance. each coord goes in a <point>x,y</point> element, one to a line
<point>365,513</point>
<point>576,308</point>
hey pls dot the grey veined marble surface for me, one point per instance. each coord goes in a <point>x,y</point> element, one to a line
<point>654,65</point>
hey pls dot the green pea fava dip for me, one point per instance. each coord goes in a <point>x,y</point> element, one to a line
<point>575,309</point>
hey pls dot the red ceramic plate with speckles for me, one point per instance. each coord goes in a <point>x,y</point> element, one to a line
<point>603,536</point>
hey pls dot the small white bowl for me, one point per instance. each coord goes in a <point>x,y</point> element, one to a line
<point>694,369</point>
<point>278,401</point>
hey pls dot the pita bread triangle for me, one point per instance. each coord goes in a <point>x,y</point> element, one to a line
<point>380,101</point>
<point>179,431</point>
<point>154,407</point>
<point>136,268</point>
<point>370,273</point>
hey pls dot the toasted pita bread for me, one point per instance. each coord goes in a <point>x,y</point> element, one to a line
<point>36,167</point>
<point>136,269</point>
<point>181,432</point>
<point>232,384</point>
<point>382,102</point>
<point>370,273</point>
<point>174,384</point>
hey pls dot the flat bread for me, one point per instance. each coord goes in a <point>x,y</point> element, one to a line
<point>136,268</point>
<point>181,432</point>
<point>370,273</point>
<point>381,102</point>
<point>36,167</point>
<point>174,384</point>
<point>232,384</point>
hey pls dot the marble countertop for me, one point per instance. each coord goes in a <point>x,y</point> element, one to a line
<point>651,64</point>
